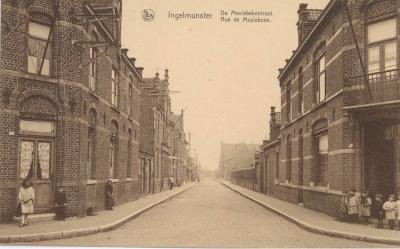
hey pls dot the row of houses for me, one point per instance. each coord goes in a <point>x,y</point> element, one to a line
<point>75,109</point>
<point>339,125</point>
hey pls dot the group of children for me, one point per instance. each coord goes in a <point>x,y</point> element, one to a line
<point>356,206</point>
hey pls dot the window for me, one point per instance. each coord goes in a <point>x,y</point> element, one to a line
<point>130,93</point>
<point>112,163</point>
<point>289,160</point>
<point>40,127</point>
<point>322,159</point>
<point>114,88</point>
<point>277,166</point>
<point>381,52</point>
<point>320,78</point>
<point>90,145</point>
<point>93,69</point>
<point>382,31</point>
<point>37,39</point>
<point>300,97</point>
<point>289,102</point>
<point>129,151</point>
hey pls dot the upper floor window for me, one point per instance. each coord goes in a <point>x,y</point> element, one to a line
<point>130,93</point>
<point>289,102</point>
<point>37,40</point>
<point>300,105</point>
<point>381,52</point>
<point>114,88</point>
<point>320,74</point>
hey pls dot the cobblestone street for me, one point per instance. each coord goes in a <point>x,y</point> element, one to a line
<point>209,215</point>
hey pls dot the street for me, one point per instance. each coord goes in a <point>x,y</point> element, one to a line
<point>208,215</point>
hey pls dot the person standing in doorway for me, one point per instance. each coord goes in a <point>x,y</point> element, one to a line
<point>377,207</point>
<point>108,194</point>
<point>26,197</point>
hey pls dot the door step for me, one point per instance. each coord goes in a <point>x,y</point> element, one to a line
<point>300,204</point>
<point>38,217</point>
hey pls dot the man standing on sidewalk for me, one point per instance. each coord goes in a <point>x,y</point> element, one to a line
<point>171,182</point>
<point>108,195</point>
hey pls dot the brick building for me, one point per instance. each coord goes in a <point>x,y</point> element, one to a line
<point>340,104</point>
<point>70,104</point>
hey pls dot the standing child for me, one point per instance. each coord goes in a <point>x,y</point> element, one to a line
<point>353,206</point>
<point>390,208</point>
<point>344,208</point>
<point>365,207</point>
<point>26,196</point>
<point>377,207</point>
<point>59,203</point>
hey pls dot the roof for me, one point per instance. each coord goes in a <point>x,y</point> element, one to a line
<point>322,16</point>
<point>313,14</point>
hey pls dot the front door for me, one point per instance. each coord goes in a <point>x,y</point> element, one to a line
<point>35,162</point>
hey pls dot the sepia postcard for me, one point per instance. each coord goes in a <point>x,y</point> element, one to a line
<point>200,123</point>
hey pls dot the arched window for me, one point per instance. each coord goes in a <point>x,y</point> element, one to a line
<point>129,151</point>
<point>130,96</point>
<point>113,158</point>
<point>289,101</point>
<point>91,144</point>
<point>320,142</point>
<point>289,159</point>
<point>320,74</point>
<point>300,105</point>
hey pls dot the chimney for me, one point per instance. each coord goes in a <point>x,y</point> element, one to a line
<point>274,125</point>
<point>157,78</point>
<point>307,19</point>
<point>166,74</point>
<point>140,70</point>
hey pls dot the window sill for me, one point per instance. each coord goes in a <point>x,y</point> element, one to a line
<point>91,182</point>
<point>129,179</point>
<point>113,180</point>
<point>320,189</point>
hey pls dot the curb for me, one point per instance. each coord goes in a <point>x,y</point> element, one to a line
<point>318,230</point>
<point>84,231</point>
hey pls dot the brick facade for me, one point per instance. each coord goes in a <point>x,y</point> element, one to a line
<point>66,100</point>
<point>358,117</point>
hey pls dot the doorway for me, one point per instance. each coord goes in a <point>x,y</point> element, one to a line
<point>381,157</point>
<point>36,163</point>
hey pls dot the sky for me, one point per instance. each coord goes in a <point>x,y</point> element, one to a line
<point>225,72</point>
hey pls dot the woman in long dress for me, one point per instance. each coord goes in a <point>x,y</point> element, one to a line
<point>26,197</point>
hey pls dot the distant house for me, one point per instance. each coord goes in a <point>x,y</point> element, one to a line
<point>236,156</point>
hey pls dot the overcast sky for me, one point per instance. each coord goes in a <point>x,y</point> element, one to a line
<point>226,72</point>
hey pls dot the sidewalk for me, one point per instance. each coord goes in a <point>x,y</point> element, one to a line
<point>103,221</point>
<point>318,222</point>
